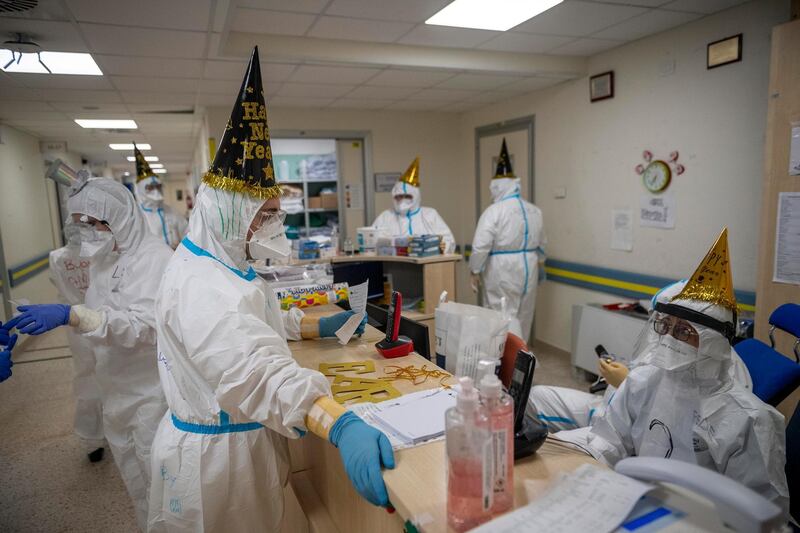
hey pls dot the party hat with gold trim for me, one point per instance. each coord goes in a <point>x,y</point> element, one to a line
<point>143,169</point>
<point>712,281</point>
<point>504,169</point>
<point>411,175</point>
<point>244,157</point>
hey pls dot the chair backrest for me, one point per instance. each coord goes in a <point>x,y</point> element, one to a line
<point>513,345</point>
<point>787,318</point>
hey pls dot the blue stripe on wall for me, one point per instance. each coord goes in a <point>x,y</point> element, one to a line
<point>29,269</point>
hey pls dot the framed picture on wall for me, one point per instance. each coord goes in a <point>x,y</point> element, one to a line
<point>724,52</point>
<point>601,86</point>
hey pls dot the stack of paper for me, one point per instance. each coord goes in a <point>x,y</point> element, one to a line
<point>412,419</point>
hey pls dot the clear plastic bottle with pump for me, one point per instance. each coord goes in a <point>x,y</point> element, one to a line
<point>500,410</point>
<point>469,450</point>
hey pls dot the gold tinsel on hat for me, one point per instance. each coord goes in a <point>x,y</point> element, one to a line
<point>411,175</point>
<point>712,281</point>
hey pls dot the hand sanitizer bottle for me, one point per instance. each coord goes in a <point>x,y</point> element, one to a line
<point>500,409</point>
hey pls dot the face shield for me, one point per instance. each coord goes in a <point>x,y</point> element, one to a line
<point>149,192</point>
<point>268,239</point>
<point>406,198</point>
<point>95,237</point>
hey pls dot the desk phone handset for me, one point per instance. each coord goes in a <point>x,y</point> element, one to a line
<point>394,344</point>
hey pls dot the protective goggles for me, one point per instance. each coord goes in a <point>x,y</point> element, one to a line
<point>680,331</point>
<point>726,329</point>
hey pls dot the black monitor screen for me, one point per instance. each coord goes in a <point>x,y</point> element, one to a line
<point>356,273</point>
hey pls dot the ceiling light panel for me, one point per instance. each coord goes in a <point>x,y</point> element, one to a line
<point>129,146</point>
<point>157,165</point>
<point>148,158</point>
<point>160,170</point>
<point>498,15</point>
<point>111,124</point>
<point>57,62</point>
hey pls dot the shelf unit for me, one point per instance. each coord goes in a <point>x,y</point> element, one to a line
<point>311,188</point>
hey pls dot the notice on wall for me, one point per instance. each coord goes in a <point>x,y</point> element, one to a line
<point>787,239</point>
<point>622,229</point>
<point>657,210</point>
<point>384,181</point>
<point>794,150</point>
<point>353,196</point>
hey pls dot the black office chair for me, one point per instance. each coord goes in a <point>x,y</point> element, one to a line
<point>418,333</point>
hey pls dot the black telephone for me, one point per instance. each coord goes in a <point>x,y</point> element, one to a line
<point>529,434</point>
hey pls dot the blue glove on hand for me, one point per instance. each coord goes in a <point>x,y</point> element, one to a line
<point>38,319</point>
<point>5,359</point>
<point>5,334</point>
<point>363,450</point>
<point>329,324</point>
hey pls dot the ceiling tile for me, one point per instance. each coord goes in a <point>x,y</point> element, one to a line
<point>525,42</point>
<point>652,22</point>
<point>381,93</point>
<point>229,87</point>
<point>586,47</point>
<point>303,90</point>
<point>263,21</point>
<point>144,41</point>
<point>289,101</point>
<point>417,105</point>
<point>52,36</point>
<point>446,36</point>
<point>359,29</point>
<point>327,74</point>
<point>706,6</point>
<point>275,71</point>
<point>90,109</point>
<point>84,96</point>
<point>151,107</point>
<point>216,99</point>
<point>527,85</point>
<point>174,14</point>
<point>21,113</point>
<point>20,105</point>
<point>444,95</point>
<point>356,103</point>
<point>143,97</point>
<point>405,10</point>
<point>410,78</point>
<point>226,70</point>
<point>299,6</point>
<point>141,83</point>
<point>46,10</point>
<point>476,82</point>
<point>578,19</point>
<point>20,93</point>
<point>63,81</point>
<point>150,67</point>
<point>488,97</point>
<point>460,107</point>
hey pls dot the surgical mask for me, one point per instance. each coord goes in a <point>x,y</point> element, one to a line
<point>154,196</point>
<point>672,354</point>
<point>270,242</point>
<point>95,243</point>
<point>403,206</point>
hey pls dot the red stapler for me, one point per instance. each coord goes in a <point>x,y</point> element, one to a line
<point>394,345</point>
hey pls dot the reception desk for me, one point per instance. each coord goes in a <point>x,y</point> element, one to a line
<point>320,497</point>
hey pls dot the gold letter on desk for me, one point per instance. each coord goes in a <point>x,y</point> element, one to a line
<point>360,390</point>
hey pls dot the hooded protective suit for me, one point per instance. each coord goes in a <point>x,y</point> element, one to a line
<point>411,219</point>
<point>506,250</point>
<point>70,275</point>
<point>680,402</point>
<point>161,220</point>
<point>118,319</point>
<point>224,365</point>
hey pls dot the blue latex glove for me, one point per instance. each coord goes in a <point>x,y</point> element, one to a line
<point>363,449</point>
<point>5,359</point>
<point>329,324</point>
<point>5,333</point>
<point>38,319</point>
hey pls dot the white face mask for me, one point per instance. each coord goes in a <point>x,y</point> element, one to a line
<point>270,242</point>
<point>154,195</point>
<point>95,243</point>
<point>672,354</point>
<point>403,206</point>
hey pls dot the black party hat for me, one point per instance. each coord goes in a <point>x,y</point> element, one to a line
<point>244,157</point>
<point>504,169</point>
<point>143,169</point>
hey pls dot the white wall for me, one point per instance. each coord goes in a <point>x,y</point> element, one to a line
<point>25,210</point>
<point>714,118</point>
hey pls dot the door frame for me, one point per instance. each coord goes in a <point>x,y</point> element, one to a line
<point>526,123</point>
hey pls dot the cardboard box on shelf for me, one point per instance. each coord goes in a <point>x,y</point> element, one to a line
<point>329,201</point>
<point>315,202</point>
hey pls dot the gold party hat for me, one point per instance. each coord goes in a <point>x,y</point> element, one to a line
<point>712,281</point>
<point>143,169</point>
<point>411,175</point>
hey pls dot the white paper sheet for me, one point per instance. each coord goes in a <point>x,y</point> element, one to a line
<point>657,210</point>
<point>345,333</point>
<point>604,498</point>
<point>787,239</point>
<point>353,196</point>
<point>622,229</point>
<point>794,150</point>
<point>358,303</point>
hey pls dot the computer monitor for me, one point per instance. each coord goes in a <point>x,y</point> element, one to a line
<point>355,274</point>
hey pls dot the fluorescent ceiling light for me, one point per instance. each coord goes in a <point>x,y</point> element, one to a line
<point>160,170</point>
<point>113,124</point>
<point>148,158</point>
<point>57,62</point>
<point>128,146</point>
<point>157,165</point>
<point>499,15</point>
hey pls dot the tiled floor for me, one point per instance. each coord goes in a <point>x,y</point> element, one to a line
<point>46,480</point>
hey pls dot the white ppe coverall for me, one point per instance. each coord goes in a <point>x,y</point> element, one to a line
<point>506,250</point>
<point>162,221</point>
<point>680,402</point>
<point>118,319</point>
<point>70,274</point>
<point>413,220</point>
<point>220,457</point>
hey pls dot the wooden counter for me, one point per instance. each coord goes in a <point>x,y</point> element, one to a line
<point>417,485</point>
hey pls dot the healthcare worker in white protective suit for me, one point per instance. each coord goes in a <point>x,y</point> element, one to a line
<point>69,272</point>
<point>562,408</point>
<point>161,219</point>
<point>508,250</point>
<point>408,217</point>
<point>680,401</point>
<point>235,394</point>
<point>118,319</point>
